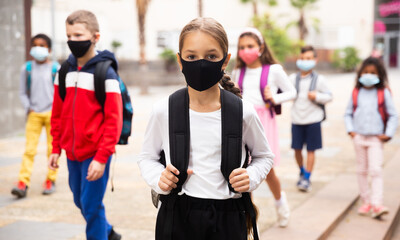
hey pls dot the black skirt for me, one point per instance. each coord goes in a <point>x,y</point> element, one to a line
<point>188,218</point>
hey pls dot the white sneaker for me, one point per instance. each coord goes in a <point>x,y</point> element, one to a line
<point>305,185</point>
<point>378,211</point>
<point>283,211</point>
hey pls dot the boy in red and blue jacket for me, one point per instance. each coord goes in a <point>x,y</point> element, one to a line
<point>86,130</point>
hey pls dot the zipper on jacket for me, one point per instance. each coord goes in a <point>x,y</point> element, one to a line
<point>73,116</point>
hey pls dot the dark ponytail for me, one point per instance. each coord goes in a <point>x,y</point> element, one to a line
<point>249,221</point>
<point>229,85</point>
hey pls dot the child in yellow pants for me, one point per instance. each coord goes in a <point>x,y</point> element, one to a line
<point>36,92</point>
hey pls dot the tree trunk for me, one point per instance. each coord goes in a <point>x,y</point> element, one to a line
<point>144,86</point>
<point>303,31</point>
<point>255,8</point>
<point>142,39</point>
<point>28,33</point>
<point>200,7</point>
<point>142,10</point>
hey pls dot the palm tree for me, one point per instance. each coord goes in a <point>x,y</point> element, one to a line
<point>141,6</point>
<point>255,4</point>
<point>200,8</point>
<point>301,5</point>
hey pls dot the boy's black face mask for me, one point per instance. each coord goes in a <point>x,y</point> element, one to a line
<point>202,74</point>
<point>79,48</point>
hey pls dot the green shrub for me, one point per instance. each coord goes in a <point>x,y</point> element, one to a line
<point>168,55</point>
<point>276,38</point>
<point>231,66</point>
<point>346,59</point>
<point>116,44</point>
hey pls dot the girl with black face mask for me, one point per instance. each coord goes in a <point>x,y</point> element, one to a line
<point>203,200</point>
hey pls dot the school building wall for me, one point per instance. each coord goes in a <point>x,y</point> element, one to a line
<point>342,22</point>
<point>12,52</point>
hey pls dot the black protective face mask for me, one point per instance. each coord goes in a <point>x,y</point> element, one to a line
<point>202,74</point>
<point>79,48</point>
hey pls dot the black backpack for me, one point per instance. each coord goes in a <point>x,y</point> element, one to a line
<point>179,139</point>
<point>313,86</point>
<point>100,74</point>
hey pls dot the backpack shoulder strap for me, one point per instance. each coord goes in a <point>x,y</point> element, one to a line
<point>62,74</point>
<point>381,104</point>
<point>99,78</point>
<point>179,146</point>
<point>313,87</point>
<point>231,152</point>
<point>28,67</point>
<point>264,79</point>
<point>297,83</point>
<point>381,96</point>
<point>28,71</point>
<point>232,127</point>
<point>241,77</point>
<point>314,78</point>
<point>354,96</point>
<point>179,133</point>
<point>54,69</point>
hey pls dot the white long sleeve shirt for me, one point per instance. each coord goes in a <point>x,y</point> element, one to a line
<point>277,78</point>
<point>304,111</point>
<point>207,180</point>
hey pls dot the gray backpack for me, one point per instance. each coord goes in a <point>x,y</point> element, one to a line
<point>313,86</point>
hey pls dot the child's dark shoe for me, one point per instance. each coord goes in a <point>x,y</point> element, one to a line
<point>114,235</point>
<point>20,190</point>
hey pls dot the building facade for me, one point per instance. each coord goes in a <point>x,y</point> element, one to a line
<point>12,50</point>
<point>342,23</point>
<point>387,31</point>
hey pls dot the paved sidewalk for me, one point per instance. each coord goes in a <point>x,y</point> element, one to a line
<point>129,207</point>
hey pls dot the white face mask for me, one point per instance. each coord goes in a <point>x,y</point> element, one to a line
<point>39,53</point>
<point>368,79</point>
<point>305,65</point>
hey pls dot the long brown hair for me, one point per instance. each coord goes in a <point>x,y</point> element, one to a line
<point>215,30</point>
<point>267,56</point>
<point>382,75</point>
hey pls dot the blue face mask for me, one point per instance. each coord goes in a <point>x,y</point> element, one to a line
<point>39,53</point>
<point>368,79</point>
<point>305,65</point>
